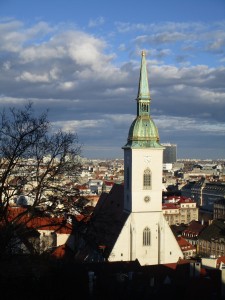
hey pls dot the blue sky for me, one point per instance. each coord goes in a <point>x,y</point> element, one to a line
<point>81,60</point>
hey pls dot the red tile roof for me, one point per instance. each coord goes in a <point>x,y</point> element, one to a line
<point>109,183</point>
<point>62,251</point>
<point>170,206</point>
<point>194,228</point>
<point>40,223</point>
<point>220,260</point>
<point>186,200</point>
<point>184,244</point>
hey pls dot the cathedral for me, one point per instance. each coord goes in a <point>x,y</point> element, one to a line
<point>127,223</point>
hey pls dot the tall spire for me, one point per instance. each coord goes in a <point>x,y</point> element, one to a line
<point>143,97</point>
<point>143,90</point>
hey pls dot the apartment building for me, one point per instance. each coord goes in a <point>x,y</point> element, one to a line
<point>180,210</point>
<point>205,193</point>
<point>187,248</point>
<point>219,209</point>
<point>212,240</point>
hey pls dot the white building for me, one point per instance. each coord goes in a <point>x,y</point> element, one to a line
<point>146,235</point>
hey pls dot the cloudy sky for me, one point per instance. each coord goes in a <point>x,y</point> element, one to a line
<point>80,59</point>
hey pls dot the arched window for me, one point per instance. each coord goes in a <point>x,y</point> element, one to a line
<point>146,237</point>
<point>147,179</point>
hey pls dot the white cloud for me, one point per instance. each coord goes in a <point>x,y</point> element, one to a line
<point>81,125</point>
<point>96,22</point>
<point>67,85</point>
<point>6,65</point>
<point>42,52</point>
<point>29,77</point>
<point>185,124</point>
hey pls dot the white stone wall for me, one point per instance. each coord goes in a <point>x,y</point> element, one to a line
<point>163,248</point>
<point>138,160</point>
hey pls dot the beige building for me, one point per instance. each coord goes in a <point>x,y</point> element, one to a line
<point>211,241</point>
<point>183,211</point>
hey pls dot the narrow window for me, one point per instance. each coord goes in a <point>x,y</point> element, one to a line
<point>146,237</point>
<point>147,179</point>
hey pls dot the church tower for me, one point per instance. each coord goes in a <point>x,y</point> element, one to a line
<point>143,156</point>
<point>145,235</point>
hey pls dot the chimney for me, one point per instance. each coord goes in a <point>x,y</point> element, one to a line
<point>195,269</point>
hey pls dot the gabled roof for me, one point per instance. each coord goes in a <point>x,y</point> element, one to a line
<point>215,230</point>
<point>195,227</point>
<point>178,229</point>
<point>107,221</point>
<point>184,244</point>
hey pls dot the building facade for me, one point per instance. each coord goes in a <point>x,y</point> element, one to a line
<point>183,211</point>
<point>219,209</point>
<point>204,193</point>
<point>211,241</point>
<point>169,153</point>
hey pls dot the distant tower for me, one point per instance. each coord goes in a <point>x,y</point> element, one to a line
<point>146,236</point>
<point>170,153</point>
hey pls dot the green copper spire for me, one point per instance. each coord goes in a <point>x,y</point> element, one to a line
<point>143,132</point>
<point>143,90</point>
<point>143,97</point>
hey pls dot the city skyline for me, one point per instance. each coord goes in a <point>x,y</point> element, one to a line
<point>81,61</point>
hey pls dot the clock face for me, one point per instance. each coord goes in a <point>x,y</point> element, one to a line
<point>147,158</point>
<point>146,198</point>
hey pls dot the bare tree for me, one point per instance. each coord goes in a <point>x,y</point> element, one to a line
<point>38,165</point>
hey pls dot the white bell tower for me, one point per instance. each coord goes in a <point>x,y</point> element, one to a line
<point>145,236</point>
